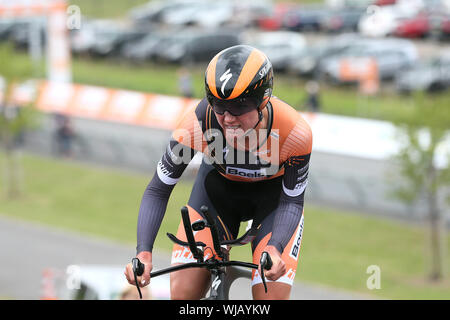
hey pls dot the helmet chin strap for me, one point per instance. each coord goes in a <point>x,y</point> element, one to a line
<point>260,117</point>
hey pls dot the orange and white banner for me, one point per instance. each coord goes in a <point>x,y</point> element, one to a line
<point>116,105</point>
<point>14,8</point>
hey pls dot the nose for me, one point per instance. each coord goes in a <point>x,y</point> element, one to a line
<point>229,117</point>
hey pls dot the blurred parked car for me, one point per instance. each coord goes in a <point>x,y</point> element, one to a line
<point>248,13</point>
<point>274,20</point>
<point>195,45</point>
<point>154,12</point>
<point>205,14</point>
<point>281,47</point>
<point>391,56</point>
<point>384,2</point>
<point>445,28</point>
<point>110,42</point>
<point>103,38</point>
<point>308,64</point>
<point>143,49</point>
<point>342,20</point>
<point>81,40</point>
<point>415,27</point>
<point>18,31</point>
<point>383,21</point>
<point>6,28</point>
<point>305,18</point>
<point>431,76</point>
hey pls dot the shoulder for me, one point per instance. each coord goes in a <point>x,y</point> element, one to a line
<point>295,133</point>
<point>190,127</point>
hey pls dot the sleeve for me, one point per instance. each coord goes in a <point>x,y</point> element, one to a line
<point>290,207</point>
<point>156,196</point>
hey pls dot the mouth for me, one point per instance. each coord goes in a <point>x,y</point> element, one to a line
<point>235,127</point>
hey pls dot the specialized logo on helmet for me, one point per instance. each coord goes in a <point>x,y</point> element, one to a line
<point>225,77</point>
<point>264,70</point>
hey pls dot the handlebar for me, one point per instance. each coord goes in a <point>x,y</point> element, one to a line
<point>266,264</point>
<point>138,270</point>
<point>265,261</point>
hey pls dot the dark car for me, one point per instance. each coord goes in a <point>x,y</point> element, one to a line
<point>304,18</point>
<point>195,46</point>
<point>432,76</point>
<point>21,31</point>
<point>6,28</point>
<point>143,49</point>
<point>346,19</point>
<point>109,42</point>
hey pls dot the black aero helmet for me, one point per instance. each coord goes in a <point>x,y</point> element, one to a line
<point>239,79</point>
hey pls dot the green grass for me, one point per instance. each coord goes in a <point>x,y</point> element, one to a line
<point>337,246</point>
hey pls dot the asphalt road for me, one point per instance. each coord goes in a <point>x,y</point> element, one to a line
<point>27,249</point>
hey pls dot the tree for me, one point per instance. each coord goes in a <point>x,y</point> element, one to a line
<point>13,120</point>
<point>424,134</point>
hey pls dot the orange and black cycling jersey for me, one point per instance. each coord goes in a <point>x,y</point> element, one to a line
<point>284,150</point>
<point>286,142</point>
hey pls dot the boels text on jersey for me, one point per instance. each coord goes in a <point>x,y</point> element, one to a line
<point>246,173</point>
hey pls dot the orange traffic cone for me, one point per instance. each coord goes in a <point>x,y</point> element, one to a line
<point>48,285</point>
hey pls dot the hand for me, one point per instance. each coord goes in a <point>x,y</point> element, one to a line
<point>278,267</point>
<point>146,258</point>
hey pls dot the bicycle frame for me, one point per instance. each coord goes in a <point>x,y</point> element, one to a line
<point>223,272</point>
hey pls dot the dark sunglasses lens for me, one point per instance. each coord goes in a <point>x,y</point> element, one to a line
<point>234,107</point>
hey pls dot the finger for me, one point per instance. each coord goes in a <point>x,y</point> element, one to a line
<point>129,274</point>
<point>275,272</point>
<point>145,278</point>
<point>130,280</point>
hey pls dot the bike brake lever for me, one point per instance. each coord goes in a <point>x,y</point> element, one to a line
<point>138,270</point>
<point>266,263</point>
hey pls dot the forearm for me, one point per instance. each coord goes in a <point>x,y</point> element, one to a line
<point>151,213</point>
<point>156,196</point>
<point>290,207</point>
<point>287,218</point>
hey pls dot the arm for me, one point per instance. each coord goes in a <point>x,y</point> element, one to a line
<point>156,195</point>
<point>154,203</point>
<point>288,213</point>
<point>290,207</point>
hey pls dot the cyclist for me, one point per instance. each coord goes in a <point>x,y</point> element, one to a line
<point>256,151</point>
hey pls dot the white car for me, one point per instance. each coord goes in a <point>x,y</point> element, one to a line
<point>382,21</point>
<point>281,47</point>
<point>200,14</point>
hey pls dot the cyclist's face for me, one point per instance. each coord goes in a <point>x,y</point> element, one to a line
<point>236,126</point>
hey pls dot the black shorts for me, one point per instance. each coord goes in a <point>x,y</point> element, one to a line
<point>234,201</point>
<point>230,203</point>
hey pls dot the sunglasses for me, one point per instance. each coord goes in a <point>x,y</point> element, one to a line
<point>235,107</point>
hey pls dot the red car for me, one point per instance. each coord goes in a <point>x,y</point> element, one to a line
<point>384,2</point>
<point>416,27</point>
<point>275,21</point>
<point>445,27</point>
